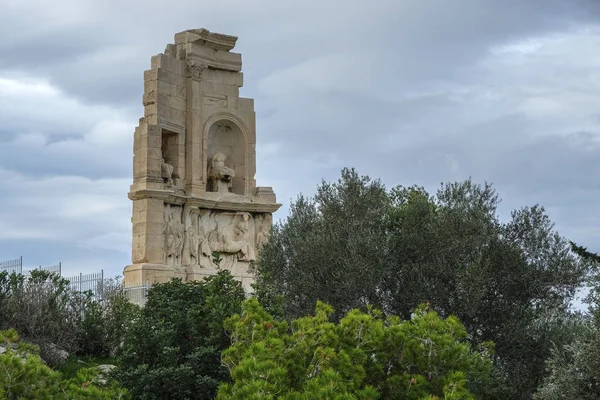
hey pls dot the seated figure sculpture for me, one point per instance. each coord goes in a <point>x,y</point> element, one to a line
<point>220,175</point>
<point>166,170</point>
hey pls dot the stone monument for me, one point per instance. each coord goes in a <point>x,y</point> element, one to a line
<point>194,191</point>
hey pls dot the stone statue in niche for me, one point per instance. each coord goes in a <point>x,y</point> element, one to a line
<point>166,171</point>
<point>174,235</point>
<point>219,174</point>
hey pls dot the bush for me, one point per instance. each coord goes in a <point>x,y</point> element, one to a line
<point>39,307</point>
<point>25,376</point>
<point>102,323</point>
<point>172,351</point>
<point>362,357</point>
<point>60,321</point>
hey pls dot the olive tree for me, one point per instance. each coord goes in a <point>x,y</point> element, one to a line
<point>356,243</point>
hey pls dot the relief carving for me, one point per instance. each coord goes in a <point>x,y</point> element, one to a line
<point>263,225</point>
<point>206,231</point>
<point>197,251</point>
<point>174,235</point>
<point>233,236</point>
<point>192,240</point>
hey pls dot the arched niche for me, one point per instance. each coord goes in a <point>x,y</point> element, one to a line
<point>227,137</point>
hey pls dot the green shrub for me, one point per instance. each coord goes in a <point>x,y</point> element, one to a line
<point>25,376</point>
<point>362,357</point>
<point>172,351</point>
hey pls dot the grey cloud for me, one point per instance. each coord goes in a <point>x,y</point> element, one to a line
<point>409,91</point>
<point>414,39</point>
<point>39,53</point>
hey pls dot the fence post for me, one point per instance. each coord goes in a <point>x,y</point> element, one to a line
<point>59,268</point>
<point>21,266</point>
<point>80,279</point>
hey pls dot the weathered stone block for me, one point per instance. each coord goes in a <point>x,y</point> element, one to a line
<point>245,104</point>
<point>177,103</point>
<point>168,63</point>
<point>224,77</point>
<point>160,74</point>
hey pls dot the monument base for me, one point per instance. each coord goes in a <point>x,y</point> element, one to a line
<point>146,273</point>
<point>240,273</point>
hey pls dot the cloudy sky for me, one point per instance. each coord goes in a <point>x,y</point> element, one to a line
<point>409,91</point>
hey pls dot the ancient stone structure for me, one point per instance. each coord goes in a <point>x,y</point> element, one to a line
<point>193,189</point>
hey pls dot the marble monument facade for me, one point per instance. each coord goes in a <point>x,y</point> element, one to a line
<point>194,192</point>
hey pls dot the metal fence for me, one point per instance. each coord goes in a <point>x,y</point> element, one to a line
<point>95,283</point>
<point>11,266</point>
<point>16,266</point>
<point>56,269</point>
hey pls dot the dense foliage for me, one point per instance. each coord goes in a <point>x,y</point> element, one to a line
<point>354,248</point>
<point>574,368</point>
<point>25,376</point>
<point>173,350</point>
<point>357,243</point>
<point>45,311</point>
<point>362,357</point>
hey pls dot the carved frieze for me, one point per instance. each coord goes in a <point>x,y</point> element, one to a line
<point>174,235</point>
<point>262,227</point>
<point>193,234</point>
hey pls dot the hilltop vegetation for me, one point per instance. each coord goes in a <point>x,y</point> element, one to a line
<point>417,296</point>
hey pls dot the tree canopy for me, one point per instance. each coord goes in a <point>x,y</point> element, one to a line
<point>364,356</point>
<point>357,243</point>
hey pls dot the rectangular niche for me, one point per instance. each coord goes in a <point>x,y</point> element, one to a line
<point>173,152</point>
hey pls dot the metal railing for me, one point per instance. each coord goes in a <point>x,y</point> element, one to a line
<point>11,266</point>
<point>55,269</point>
<point>16,266</point>
<point>95,283</point>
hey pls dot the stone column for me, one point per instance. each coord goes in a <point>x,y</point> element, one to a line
<point>195,179</point>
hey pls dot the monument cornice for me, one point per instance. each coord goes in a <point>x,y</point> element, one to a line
<point>227,203</point>
<point>204,37</point>
<point>225,62</point>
